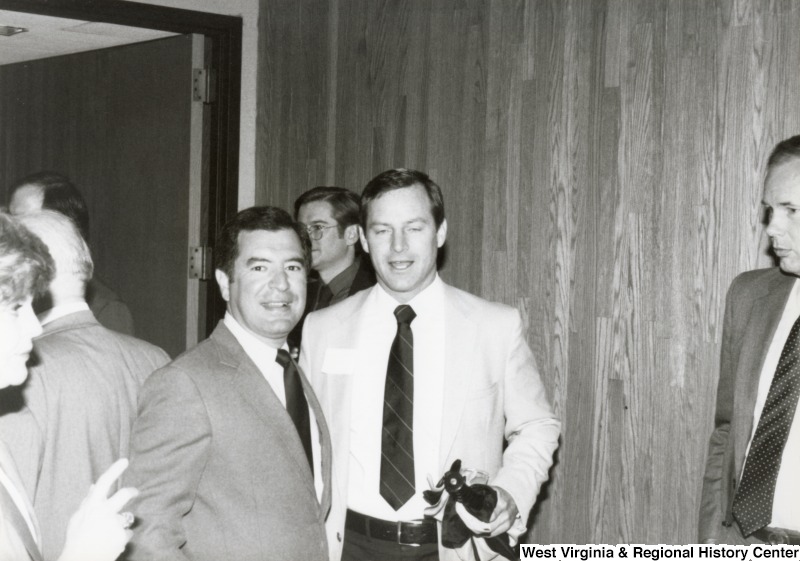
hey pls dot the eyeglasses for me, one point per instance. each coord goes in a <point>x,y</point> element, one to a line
<point>316,231</point>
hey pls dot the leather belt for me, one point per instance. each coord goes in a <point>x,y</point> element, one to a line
<point>777,536</point>
<point>414,532</point>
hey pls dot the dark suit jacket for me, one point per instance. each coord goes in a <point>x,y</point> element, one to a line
<point>753,309</point>
<point>80,403</point>
<point>220,467</point>
<point>108,308</point>
<point>365,277</point>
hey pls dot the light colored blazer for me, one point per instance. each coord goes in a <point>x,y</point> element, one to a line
<point>753,310</point>
<point>492,392</point>
<point>16,541</point>
<point>221,469</point>
<point>80,403</point>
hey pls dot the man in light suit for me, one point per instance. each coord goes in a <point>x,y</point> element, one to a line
<point>80,399</point>
<point>751,487</point>
<point>230,450</point>
<point>475,384</point>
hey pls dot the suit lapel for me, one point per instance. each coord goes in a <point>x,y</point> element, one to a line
<point>254,390</point>
<point>10,509</point>
<point>324,441</point>
<point>459,365</point>
<point>766,315</point>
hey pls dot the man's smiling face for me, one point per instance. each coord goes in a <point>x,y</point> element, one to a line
<point>403,241</point>
<point>267,293</point>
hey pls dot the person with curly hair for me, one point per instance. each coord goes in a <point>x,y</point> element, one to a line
<point>97,531</point>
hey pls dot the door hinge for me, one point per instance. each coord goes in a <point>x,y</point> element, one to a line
<point>200,262</point>
<point>203,85</point>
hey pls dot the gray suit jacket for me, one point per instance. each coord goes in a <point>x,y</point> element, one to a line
<point>220,467</point>
<point>753,309</point>
<point>493,393</point>
<point>17,542</point>
<point>79,406</point>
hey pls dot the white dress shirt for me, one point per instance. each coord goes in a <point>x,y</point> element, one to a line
<point>263,356</point>
<point>786,504</point>
<point>376,333</point>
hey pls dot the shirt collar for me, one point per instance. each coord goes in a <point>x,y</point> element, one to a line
<point>57,312</point>
<point>427,302</point>
<point>251,344</point>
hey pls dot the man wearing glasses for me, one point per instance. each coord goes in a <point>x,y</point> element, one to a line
<point>330,215</point>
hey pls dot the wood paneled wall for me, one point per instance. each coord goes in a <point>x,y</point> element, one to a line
<point>601,162</point>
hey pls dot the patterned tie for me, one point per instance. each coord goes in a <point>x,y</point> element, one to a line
<point>397,438</point>
<point>752,506</point>
<point>296,404</point>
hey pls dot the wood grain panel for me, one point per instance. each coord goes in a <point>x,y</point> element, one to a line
<point>116,121</point>
<point>602,165</point>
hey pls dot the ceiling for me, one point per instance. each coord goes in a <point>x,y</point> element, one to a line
<point>49,36</point>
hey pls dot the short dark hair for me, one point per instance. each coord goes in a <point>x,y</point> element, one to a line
<point>61,195</point>
<point>269,218</point>
<point>344,203</point>
<point>26,267</point>
<point>398,179</point>
<point>784,151</point>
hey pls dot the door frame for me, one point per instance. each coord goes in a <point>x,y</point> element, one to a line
<point>223,56</point>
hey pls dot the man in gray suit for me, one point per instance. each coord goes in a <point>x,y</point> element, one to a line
<point>230,450</point>
<point>751,488</point>
<point>80,400</point>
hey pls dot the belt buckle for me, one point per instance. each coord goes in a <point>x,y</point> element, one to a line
<point>400,532</point>
<point>776,536</point>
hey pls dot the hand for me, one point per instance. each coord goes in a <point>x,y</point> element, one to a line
<point>436,510</point>
<point>504,515</point>
<point>97,532</point>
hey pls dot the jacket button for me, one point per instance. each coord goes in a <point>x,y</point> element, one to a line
<point>339,536</point>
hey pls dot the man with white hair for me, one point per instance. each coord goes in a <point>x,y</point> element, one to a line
<point>80,401</point>
<point>48,190</point>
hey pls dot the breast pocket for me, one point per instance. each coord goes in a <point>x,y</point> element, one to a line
<point>483,411</point>
<point>481,434</point>
<point>483,392</point>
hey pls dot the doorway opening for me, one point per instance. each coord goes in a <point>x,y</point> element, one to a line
<point>215,173</point>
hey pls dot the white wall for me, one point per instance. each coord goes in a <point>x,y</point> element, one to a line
<point>248,11</point>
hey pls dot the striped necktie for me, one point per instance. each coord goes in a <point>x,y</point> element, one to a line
<point>752,505</point>
<point>397,438</point>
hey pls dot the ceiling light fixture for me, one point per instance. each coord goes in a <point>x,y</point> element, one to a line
<point>9,30</point>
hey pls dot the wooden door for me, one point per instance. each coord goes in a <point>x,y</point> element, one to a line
<point>119,123</point>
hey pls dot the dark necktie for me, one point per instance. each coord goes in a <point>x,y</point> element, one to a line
<point>752,506</point>
<point>296,404</point>
<point>397,438</point>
